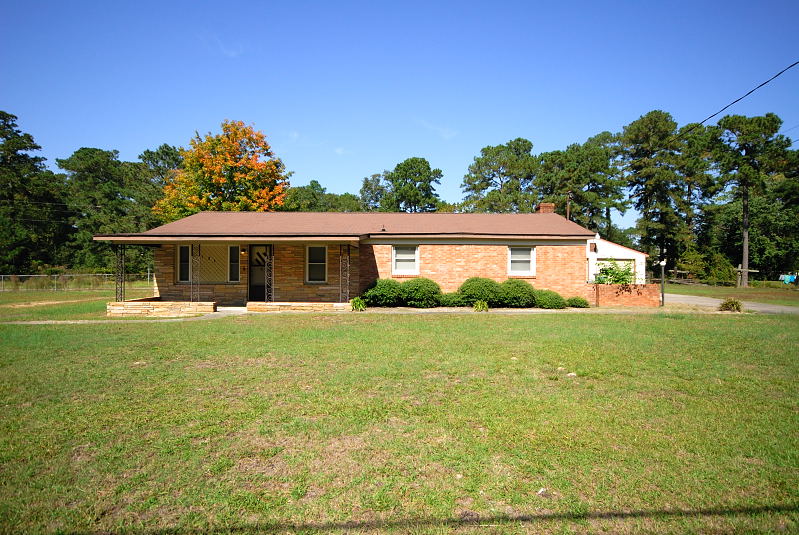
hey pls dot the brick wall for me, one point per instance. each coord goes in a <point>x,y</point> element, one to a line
<point>628,295</point>
<point>562,268</point>
<point>289,277</point>
<point>234,293</point>
<point>290,282</point>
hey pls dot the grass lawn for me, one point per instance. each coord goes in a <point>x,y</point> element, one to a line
<point>63,305</point>
<point>402,424</point>
<point>779,296</point>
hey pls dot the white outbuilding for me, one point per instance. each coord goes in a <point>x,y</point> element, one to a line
<point>600,252</point>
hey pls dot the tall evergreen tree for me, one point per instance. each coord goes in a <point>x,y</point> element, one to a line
<point>33,218</point>
<point>411,187</point>
<point>749,151</point>
<point>501,179</point>
<point>106,196</point>
<point>649,149</point>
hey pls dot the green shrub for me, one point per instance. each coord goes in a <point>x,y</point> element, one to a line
<point>480,306</point>
<point>614,273</point>
<point>720,271</point>
<point>480,289</point>
<point>383,293</point>
<point>516,293</point>
<point>421,293</point>
<point>577,302</point>
<point>549,299</point>
<point>452,300</point>
<point>731,305</point>
<point>358,305</point>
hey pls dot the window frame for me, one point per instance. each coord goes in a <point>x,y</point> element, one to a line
<point>531,272</point>
<point>178,263</point>
<point>230,264</point>
<point>308,264</point>
<point>395,271</point>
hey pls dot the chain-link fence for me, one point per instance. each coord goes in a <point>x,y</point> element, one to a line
<point>79,281</point>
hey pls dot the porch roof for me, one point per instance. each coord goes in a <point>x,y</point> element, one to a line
<point>327,226</point>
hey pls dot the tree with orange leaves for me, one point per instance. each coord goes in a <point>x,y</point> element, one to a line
<point>235,170</point>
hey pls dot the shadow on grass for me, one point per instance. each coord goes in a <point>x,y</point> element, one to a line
<point>466,521</point>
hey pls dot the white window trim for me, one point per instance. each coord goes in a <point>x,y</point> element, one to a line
<point>177,264</point>
<point>395,271</point>
<point>307,257</point>
<point>238,258</point>
<point>530,273</point>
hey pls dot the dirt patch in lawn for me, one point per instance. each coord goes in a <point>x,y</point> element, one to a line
<point>48,303</point>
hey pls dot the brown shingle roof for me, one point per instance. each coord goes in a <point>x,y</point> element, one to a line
<point>362,225</point>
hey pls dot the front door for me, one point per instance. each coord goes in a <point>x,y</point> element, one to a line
<point>260,273</point>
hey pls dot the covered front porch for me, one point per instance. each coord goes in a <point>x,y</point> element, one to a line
<point>193,277</point>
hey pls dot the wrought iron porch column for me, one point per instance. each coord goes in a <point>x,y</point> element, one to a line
<point>344,273</point>
<point>120,272</point>
<point>194,281</point>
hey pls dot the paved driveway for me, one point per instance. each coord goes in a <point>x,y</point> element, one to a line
<point>763,308</point>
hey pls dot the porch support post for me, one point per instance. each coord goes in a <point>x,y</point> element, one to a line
<point>120,272</point>
<point>269,274</point>
<point>194,286</point>
<point>344,273</point>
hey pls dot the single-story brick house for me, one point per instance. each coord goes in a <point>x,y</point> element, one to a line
<point>232,258</point>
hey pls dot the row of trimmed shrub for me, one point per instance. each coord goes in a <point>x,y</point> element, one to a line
<point>424,293</point>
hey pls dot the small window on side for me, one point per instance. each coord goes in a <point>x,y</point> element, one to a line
<point>233,264</point>
<point>521,261</point>
<point>184,263</point>
<point>406,260</point>
<point>316,270</point>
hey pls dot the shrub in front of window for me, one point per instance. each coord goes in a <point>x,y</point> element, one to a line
<point>383,293</point>
<point>480,289</point>
<point>549,299</point>
<point>421,293</point>
<point>614,273</point>
<point>452,300</point>
<point>577,302</point>
<point>517,293</point>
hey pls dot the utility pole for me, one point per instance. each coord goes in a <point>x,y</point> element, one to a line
<point>569,205</point>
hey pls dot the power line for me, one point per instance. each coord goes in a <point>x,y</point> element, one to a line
<point>42,220</point>
<point>42,202</point>
<point>794,64</point>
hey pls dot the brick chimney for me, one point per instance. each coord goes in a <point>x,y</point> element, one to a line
<point>546,208</point>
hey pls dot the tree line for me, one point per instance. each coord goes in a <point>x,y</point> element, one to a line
<point>709,196</point>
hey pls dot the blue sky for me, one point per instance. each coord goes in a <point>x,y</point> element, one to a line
<point>344,90</point>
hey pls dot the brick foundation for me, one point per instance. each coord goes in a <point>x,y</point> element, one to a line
<point>627,295</point>
<point>156,308</point>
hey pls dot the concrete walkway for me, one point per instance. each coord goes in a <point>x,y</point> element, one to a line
<point>749,306</point>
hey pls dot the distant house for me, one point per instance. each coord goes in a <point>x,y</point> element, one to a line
<point>230,258</point>
<point>602,252</point>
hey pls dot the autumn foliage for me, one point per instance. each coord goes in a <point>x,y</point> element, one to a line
<point>232,171</point>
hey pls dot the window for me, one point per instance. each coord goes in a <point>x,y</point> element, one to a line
<point>184,263</point>
<point>405,260</point>
<point>521,261</point>
<point>233,263</point>
<point>316,265</point>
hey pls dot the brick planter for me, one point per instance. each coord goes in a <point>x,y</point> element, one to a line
<point>288,306</point>
<point>153,306</point>
<point>627,295</point>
